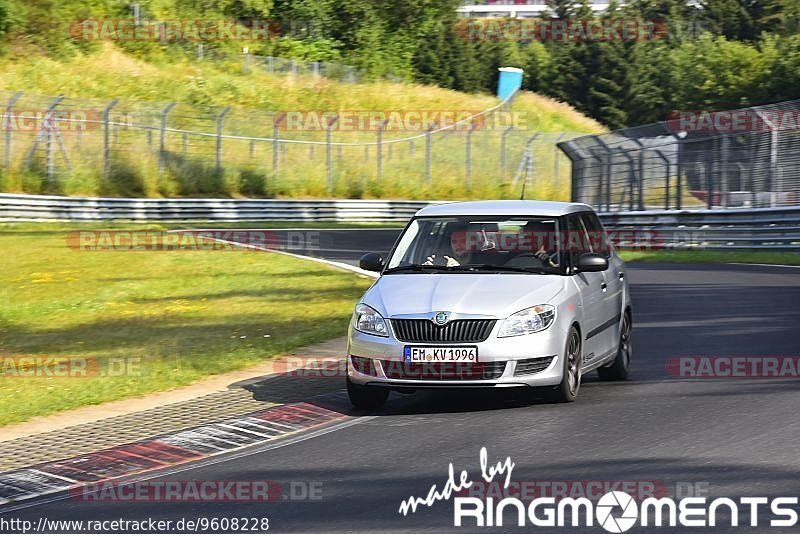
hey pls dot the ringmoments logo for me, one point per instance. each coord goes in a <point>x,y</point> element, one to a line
<point>615,511</point>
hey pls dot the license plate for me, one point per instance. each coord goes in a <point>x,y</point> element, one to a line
<point>440,354</point>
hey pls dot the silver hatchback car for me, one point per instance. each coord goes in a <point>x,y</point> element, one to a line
<point>492,294</point>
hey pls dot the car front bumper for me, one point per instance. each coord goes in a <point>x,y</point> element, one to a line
<point>387,358</point>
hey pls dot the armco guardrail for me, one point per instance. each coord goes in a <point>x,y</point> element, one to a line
<point>769,228</point>
<point>33,208</point>
<point>734,229</point>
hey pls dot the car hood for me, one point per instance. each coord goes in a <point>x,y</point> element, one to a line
<point>497,295</point>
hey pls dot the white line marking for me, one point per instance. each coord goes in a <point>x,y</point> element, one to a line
<point>272,424</point>
<point>307,228</point>
<point>245,430</point>
<point>181,441</point>
<point>214,459</point>
<point>337,264</point>
<point>264,426</point>
<point>767,265</point>
<point>53,475</point>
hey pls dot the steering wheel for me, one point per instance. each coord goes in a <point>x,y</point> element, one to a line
<point>543,257</point>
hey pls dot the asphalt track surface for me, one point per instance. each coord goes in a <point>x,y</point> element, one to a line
<point>726,437</point>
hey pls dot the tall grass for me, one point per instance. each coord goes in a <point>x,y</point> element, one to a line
<point>187,166</point>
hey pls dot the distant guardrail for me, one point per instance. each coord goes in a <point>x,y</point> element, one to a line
<point>733,229</point>
<point>57,208</point>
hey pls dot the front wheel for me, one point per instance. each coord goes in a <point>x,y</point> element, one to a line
<point>366,397</point>
<point>567,390</point>
<point>621,366</point>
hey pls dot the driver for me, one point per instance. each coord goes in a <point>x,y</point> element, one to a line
<point>455,251</point>
<point>541,233</point>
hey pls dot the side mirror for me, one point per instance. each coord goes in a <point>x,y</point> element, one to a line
<point>591,263</point>
<point>371,262</point>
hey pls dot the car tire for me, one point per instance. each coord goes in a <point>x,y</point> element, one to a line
<point>620,367</point>
<point>567,390</point>
<point>366,397</point>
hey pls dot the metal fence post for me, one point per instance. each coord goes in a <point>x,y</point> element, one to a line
<point>162,139</point>
<point>329,153</point>
<point>772,170</point>
<point>468,156</point>
<point>379,148</point>
<point>8,127</point>
<point>608,159</point>
<point>51,165</point>
<point>246,61</point>
<point>47,133</point>
<point>530,166</point>
<point>428,149</point>
<point>723,171</point>
<point>640,181</point>
<point>668,165</point>
<point>276,121</point>
<point>556,159</point>
<point>503,153</point>
<point>220,119</point>
<point>107,139</point>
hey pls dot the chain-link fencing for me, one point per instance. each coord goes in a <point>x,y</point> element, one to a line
<point>63,145</point>
<point>695,159</point>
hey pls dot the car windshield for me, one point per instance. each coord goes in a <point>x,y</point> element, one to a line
<point>479,245</point>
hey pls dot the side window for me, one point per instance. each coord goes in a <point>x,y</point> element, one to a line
<point>577,240</point>
<point>597,235</point>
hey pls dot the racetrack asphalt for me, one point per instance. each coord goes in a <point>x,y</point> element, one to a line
<point>720,437</point>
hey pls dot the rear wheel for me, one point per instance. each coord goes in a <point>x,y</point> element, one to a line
<point>366,397</point>
<point>567,390</point>
<point>620,367</point>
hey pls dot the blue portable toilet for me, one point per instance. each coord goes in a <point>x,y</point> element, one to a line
<point>509,82</point>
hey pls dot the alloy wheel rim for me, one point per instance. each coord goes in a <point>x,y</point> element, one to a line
<point>625,341</point>
<point>573,378</point>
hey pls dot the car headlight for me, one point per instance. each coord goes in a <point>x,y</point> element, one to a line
<point>367,320</point>
<point>528,321</point>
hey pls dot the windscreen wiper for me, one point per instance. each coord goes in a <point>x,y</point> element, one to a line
<point>506,268</point>
<point>417,268</point>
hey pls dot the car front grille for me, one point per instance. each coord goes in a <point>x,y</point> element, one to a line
<point>533,365</point>
<point>459,331</point>
<point>443,370</point>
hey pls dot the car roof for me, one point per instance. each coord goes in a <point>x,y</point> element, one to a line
<point>503,207</point>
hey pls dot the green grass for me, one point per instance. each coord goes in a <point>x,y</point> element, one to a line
<point>185,314</point>
<point>711,256</point>
<point>187,167</point>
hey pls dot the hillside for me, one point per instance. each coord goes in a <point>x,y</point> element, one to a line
<point>203,88</point>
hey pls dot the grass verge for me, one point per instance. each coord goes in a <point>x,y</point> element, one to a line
<point>712,256</point>
<point>165,318</point>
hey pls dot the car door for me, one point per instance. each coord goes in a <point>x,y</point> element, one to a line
<point>613,280</point>
<point>592,288</point>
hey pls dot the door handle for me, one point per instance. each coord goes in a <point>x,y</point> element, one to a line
<point>603,286</point>
<point>622,276</point>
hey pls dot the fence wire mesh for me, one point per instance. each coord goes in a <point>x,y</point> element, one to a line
<point>63,145</point>
<point>724,159</point>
